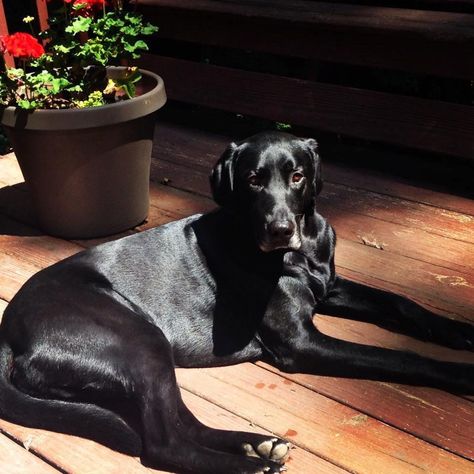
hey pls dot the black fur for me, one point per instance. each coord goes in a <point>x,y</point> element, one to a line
<point>89,345</point>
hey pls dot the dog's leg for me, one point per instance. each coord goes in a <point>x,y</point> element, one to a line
<point>236,442</point>
<point>168,436</point>
<point>309,351</point>
<point>293,344</point>
<point>352,300</point>
<point>99,350</point>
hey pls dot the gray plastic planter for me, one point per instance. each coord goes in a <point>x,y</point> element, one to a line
<point>88,169</point>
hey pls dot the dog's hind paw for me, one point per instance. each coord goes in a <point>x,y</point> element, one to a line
<point>273,448</point>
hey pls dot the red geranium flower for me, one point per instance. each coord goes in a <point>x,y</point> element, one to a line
<point>22,45</point>
<point>87,7</point>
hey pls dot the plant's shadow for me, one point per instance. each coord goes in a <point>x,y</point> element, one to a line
<point>17,216</point>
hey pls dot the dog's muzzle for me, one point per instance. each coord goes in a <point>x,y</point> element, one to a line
<point>281,234</point>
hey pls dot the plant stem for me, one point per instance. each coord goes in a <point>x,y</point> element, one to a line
<point>27,87</point>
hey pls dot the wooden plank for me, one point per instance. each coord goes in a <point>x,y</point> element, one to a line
<point>199,148</point>
<point>13,273</point>
<point>411,122</point>
<point>440,5</point>
<point>400,239</point>
<point>447,5</point>
<point>392,186</point>
<point>300,461</point>
<point>178,202</point>
<point>73,454</point>
<point>364,35</point>
<point>341,431</point>
<point>39,250</point>
<point>342,15</point>
<point>11,173</point>
<point>42,8</point>
<point>431,415</point>
<point>442,290</point>
<point>435,220</point>
<point>17,460</point>
<point>180,176</point>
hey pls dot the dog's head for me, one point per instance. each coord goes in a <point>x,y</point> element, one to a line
<point>272,180</point>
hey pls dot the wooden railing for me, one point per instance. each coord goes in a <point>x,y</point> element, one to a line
<point>417,42</point>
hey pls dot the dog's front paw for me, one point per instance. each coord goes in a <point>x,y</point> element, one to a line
<point>274,449</point>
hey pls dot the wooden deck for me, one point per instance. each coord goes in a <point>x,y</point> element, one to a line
<point>392,234</point>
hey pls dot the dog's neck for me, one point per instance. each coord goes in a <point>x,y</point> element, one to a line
<point>233,237</point>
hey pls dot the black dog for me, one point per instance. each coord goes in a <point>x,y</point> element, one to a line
<point>100,333</point>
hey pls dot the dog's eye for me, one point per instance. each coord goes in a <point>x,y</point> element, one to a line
<point>254,180</point>
<point>296,177</point>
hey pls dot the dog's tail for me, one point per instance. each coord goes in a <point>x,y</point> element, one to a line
<point>81,419</point>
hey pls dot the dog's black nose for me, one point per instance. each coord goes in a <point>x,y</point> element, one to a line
<point>281,229</point>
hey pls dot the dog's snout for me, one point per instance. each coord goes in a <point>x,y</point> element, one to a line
<point>281,229</point>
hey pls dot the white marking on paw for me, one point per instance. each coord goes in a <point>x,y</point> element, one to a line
<point>280,451</point>
<point>249,451</point>
<point>265,448</point>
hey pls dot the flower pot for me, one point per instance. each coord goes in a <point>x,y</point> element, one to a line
<point>88,169</point>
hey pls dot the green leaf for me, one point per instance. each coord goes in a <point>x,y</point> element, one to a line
<point>149,30</point>
<point>27,104</point>
<point>15,74</point>
<point>61,48</point>
<point>95,99</point>
<point>132,48</point>
<point>129,89</point>
<point>80,24</point>
<point>58,84</point>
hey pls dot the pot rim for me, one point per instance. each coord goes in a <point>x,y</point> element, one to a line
<point>89,117</point>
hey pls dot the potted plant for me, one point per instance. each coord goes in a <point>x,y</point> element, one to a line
<point>80,119</point>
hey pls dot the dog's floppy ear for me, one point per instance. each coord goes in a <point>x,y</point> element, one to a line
<point>222,177</point>
<point>312,146</point>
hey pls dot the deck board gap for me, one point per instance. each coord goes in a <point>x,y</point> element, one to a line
<point>33,452</point>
